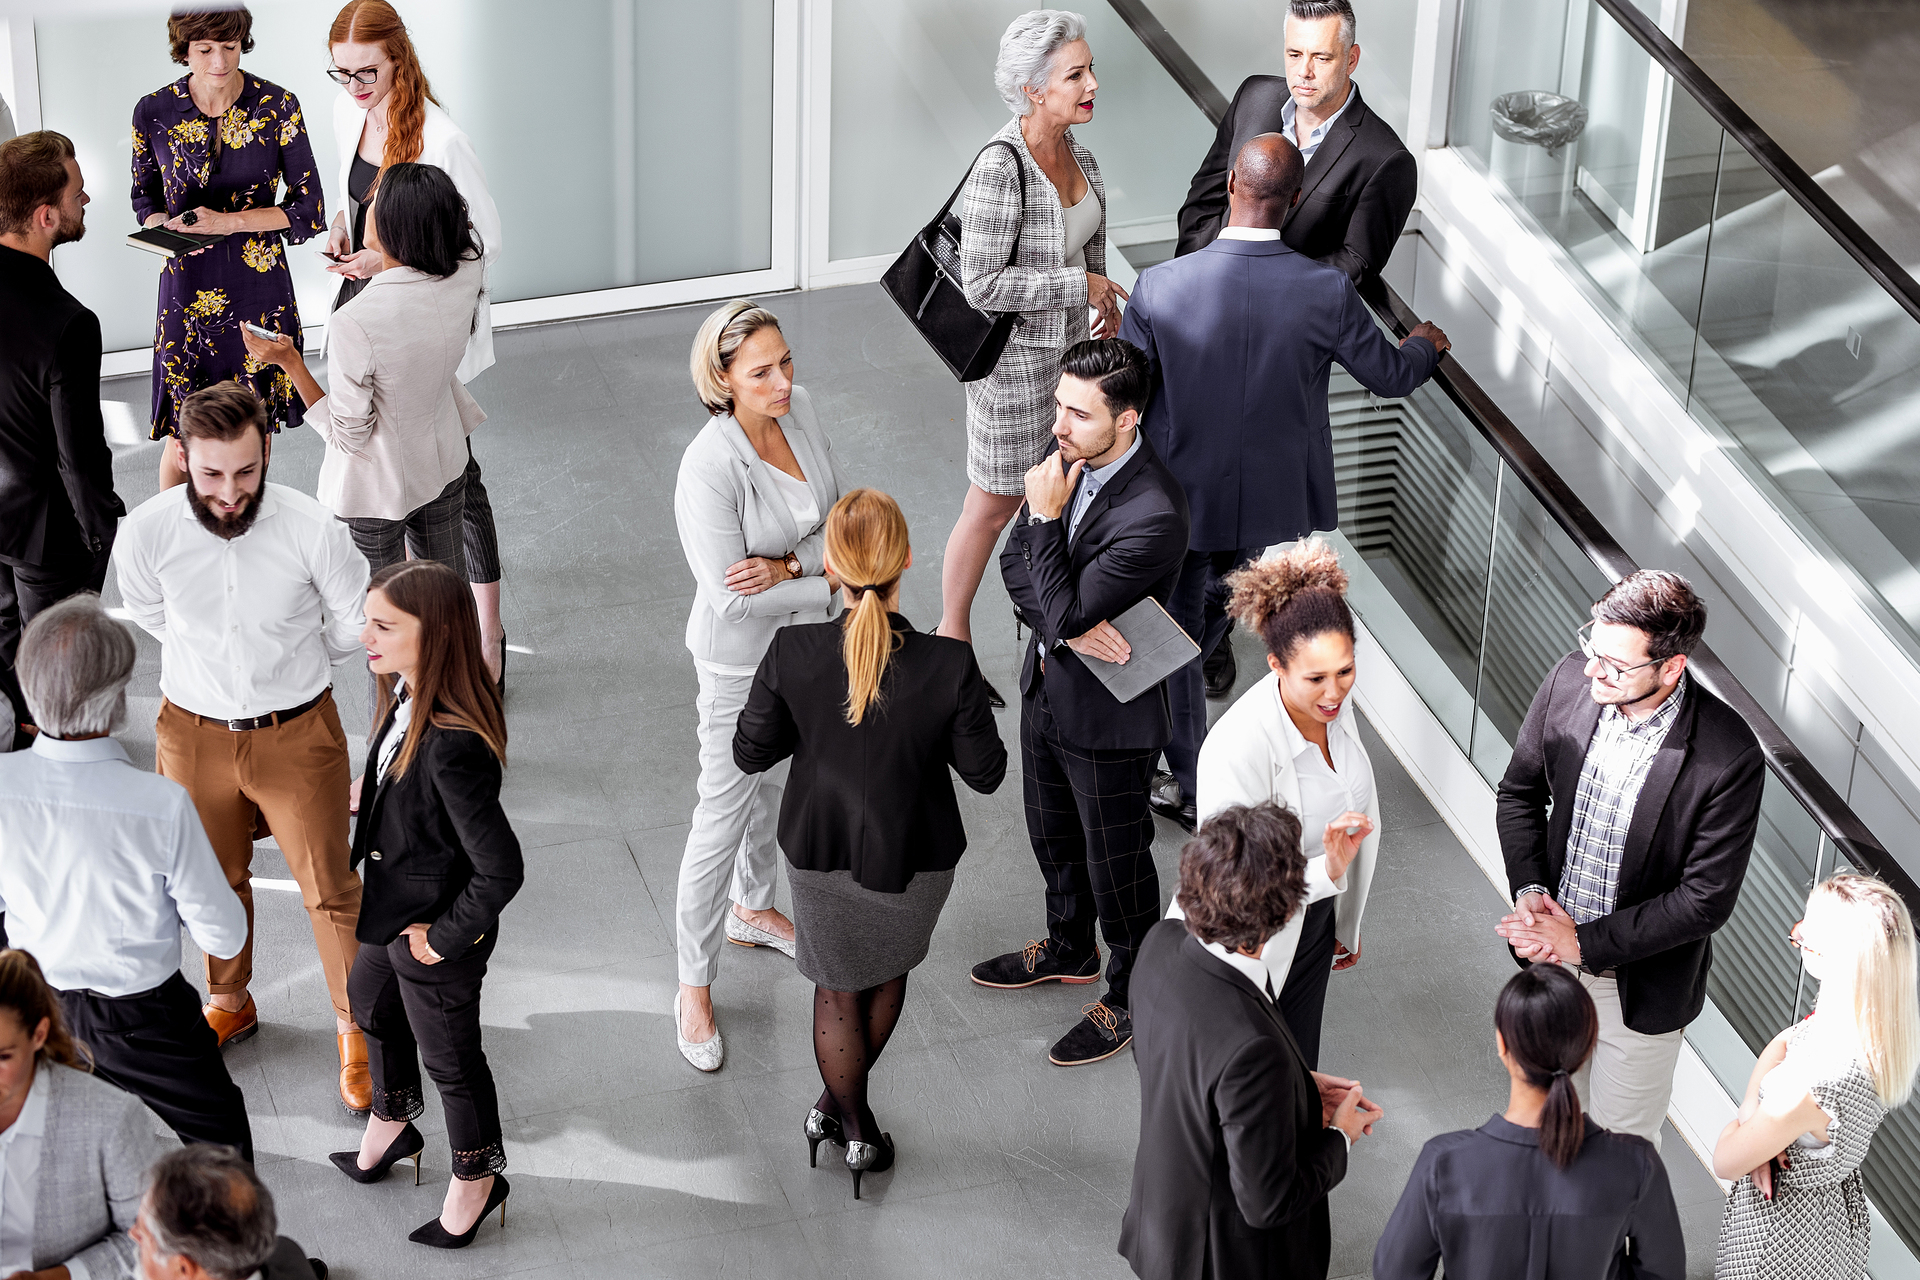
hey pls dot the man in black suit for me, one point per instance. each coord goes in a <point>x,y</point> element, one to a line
<point>1626,818</point>
<point>1103,528</point>
<point>58,510</point>
<point>1239,1142</point>
<point>1241,338</point>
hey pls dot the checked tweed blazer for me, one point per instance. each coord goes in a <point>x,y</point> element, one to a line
<point>99,1144</point>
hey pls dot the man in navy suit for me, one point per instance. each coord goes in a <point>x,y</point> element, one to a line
<point>1240,339</point>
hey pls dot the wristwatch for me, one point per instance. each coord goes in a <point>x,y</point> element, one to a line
<point>793,565</point>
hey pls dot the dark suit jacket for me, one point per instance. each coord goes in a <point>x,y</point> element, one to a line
<point>1235,1163</point>
<point>1359,187</point>
<point>1129,546</point>
<point>1687,846</point>
<point>435,845</point>
<point>57,503</point>
<point>1489,1203</point>
<point>289,1261</point>
<point>1241,338</point>
<point>874,798</point>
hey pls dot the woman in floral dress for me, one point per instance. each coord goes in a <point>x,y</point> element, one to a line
<point>211,152</point>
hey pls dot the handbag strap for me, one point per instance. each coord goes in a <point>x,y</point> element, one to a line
<point>1018,168</point>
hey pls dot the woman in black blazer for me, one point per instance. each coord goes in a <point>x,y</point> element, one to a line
<point>440,863</point>
<point>1541,1191</point>
<point>873,713</point>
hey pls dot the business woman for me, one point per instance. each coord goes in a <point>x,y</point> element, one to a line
<point>441,862</point>
<point>385,115</point>
<point>1540,1190</point>
<point>751,499</point>
<point>1819,1092</point>
<point>1056,238</point>
<point>211,152</point>
<point>396,418</point>
<point>873,713</point>
<point>1293,739</point>
<point>75,1148</point>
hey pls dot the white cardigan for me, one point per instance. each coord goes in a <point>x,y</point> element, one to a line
<point>1247,758</point>
<point>443,144</point>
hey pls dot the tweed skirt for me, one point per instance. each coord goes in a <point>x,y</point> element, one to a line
<point>1010,412</point>
<point>848,937</point>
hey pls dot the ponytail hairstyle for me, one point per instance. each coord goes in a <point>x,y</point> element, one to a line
<point>1875,985</point>
<point>450,688</point>
<point>1293,597</point>
<point>867,543</point>
<point>24,991</point>
<point>1549,1025</point>
<point>377,22</point>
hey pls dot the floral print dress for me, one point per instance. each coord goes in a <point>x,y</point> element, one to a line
<point>262,146</point>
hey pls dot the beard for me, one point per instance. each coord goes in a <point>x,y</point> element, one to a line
<point>225,526</point>
<point>68,232</point>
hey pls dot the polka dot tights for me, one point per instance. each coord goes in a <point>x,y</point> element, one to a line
<point>850,1028</point>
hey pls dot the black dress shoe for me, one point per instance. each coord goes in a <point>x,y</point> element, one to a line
<point>1034,964</point>
<point>319,1268</point>
<point>1101,1032</point>
<point>1220,670</point>
<point>1164,798</point>
<point>994,699</point>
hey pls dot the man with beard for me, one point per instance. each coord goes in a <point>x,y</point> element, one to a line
<point>58,510</point>
<point>255,591</point>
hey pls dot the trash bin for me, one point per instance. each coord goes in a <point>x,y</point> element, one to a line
<point>1531,154</point>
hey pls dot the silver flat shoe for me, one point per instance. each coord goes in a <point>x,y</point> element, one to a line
<point>742,934</point>
<point>707,1055</point>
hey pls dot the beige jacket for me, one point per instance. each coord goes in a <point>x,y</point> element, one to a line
<point>395,417</point>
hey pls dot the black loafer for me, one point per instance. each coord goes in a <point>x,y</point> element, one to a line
<point>1164,798</point>
<point>1220,670</point>
<point>1101,1032</point>
<point>1034,964</point>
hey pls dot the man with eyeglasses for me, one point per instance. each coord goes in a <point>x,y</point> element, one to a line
<point>1626,818</point>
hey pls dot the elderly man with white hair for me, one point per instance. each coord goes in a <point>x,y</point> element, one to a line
<point>101,864</point>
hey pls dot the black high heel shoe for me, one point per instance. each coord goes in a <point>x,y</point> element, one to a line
<point>409,1143</point>
<point>869,1157</point>
<point>440,1238</point>
<point>821,1127</point>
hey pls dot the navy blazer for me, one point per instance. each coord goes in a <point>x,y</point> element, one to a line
<point>1241,338</point>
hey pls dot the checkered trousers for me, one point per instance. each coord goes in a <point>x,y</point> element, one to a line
<point>1618,757</point>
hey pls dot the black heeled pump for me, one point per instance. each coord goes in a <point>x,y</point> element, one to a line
<point>439,1237</point>
<point>869,1157</point>
<point>409,1143</point>
<point>821,1127</point>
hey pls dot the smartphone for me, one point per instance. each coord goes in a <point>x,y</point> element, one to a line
<point>331,257</point>
<point>265,335</point>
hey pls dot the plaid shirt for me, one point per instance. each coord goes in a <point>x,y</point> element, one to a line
<point>1618,757</point>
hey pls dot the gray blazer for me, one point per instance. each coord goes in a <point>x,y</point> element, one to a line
<point>728,507</point>
<point>94,1159</point>
<point>1039,284</point>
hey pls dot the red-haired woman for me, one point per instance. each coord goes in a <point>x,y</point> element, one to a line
<point>387,116</point>
<point>441,863</point>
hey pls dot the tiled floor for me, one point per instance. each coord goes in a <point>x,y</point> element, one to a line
<point>626,1162</point>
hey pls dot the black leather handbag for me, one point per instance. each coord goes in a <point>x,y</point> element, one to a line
<point>925,282</point>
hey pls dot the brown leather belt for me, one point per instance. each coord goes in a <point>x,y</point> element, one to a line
<point>267,721</point>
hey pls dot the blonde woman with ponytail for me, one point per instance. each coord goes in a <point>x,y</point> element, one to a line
<point>873,714</point>
<point>1819,1092</point>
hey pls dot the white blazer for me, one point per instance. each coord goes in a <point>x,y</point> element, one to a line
<point>443,144</point>
<point>1247,758</point>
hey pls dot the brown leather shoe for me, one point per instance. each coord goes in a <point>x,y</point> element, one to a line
<point>356,1081</point>
<point>232,1028</point>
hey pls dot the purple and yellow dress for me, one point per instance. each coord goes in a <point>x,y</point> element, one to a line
<point>176,166</point>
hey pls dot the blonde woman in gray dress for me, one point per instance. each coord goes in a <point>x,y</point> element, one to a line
<point>1045,75</point>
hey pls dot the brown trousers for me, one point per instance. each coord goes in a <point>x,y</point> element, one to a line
<point>294,776</point>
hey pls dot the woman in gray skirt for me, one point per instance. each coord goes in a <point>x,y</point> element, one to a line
<point>873,714</point>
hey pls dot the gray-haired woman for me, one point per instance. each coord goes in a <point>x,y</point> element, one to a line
<point>1045,74</point>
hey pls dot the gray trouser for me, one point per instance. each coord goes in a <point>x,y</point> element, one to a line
<point>1628,1082</point>
<point>733,847</point>
<point>429,532</point>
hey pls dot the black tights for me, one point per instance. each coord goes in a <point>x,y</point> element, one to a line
<point>850,1028</point>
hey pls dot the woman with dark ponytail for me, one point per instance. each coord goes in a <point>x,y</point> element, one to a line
<point>1541,1178</point>
<point>873,713</point>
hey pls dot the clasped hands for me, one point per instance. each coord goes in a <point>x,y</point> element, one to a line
<point>1539,929</point>
<point>1344,1106</point>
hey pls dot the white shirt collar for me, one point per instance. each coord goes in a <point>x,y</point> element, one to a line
<point>81,751</point>
<point>1290,109</point>
<point>32,1120</point>
<point>1249,233</point>
<point>1297,744</point>
<point>269,504</point>
<point>1254,971</point>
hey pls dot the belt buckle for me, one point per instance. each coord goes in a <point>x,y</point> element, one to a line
<point>241,726</point>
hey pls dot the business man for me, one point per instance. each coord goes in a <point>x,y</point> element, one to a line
<point>1626,818</point>
<point>58,510</point>
<point>1239,1142</point>
<point>1241,338</point>
<point>1104,527</point>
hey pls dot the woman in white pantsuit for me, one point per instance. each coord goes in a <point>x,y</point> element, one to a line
<point>1293,739</point>
<point>751,504</point>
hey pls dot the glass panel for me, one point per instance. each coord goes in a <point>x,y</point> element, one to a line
<point>1755,980</point>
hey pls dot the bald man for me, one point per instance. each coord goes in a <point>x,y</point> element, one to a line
<point>1240,338</point>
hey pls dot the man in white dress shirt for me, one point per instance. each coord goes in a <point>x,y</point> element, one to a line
<point>101,865</point>
<point>255,591</point>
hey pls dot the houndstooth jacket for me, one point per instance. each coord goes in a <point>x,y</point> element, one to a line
<point>1039,285</point>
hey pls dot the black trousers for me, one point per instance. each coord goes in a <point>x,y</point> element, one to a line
<point>476,527</point>
<point>411,1010</point>
<point>158,1047</point>
<point>1303,1000</point>
<point>1092,833</point>
<point>1198,603</point>
<point>26,589</point>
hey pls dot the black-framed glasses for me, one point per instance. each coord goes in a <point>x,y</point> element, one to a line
<point>365,75</point>
<point>1613,669</point>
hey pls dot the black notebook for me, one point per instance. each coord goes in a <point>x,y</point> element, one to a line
<point>170,244</point>
<point>1159,646</point>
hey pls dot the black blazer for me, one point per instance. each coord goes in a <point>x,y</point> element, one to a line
<point>1359,187</point>
<point>436,845</point>
<point>1235,1162</point>
<point>1129,546</point>
<point>874,798</point>
<point>1687,847</point>
<point>57,502</point>
<point>1489,1204</point>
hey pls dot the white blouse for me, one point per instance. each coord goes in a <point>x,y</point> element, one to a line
<point>1083,219</point>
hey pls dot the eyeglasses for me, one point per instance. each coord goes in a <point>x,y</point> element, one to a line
<point>366,75</point>
<point>1798,943</point>
<point>1613,669</point>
